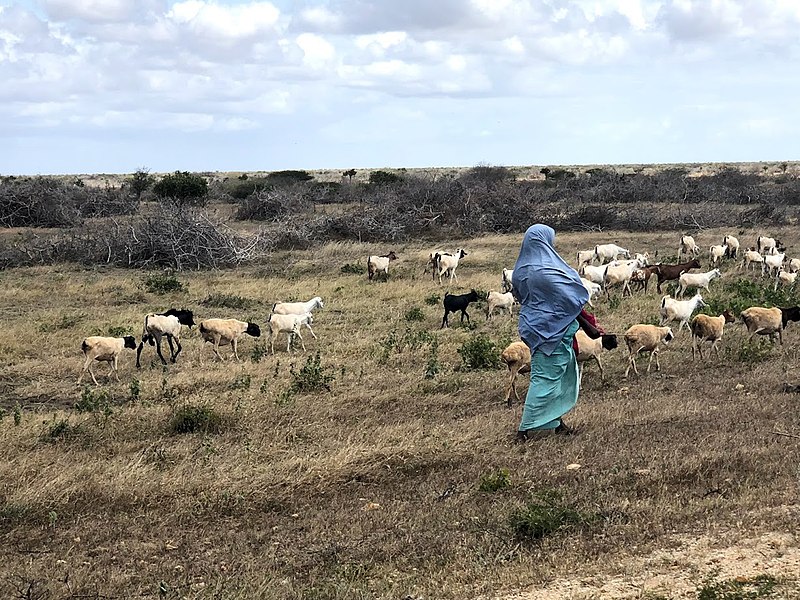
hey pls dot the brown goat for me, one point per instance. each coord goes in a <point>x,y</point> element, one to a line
<point>642,276</point>
<point>672,272</point>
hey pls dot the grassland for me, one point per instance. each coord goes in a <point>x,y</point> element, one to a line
<point>391,484</point>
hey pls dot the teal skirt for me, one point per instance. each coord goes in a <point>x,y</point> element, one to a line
<point>554,387</point>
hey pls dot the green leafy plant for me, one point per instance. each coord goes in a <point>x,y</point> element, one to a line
<point>433,367</point>
<point>182,188</point>
<point>134,390</point>
<point>545,514</point>
<point>433,300</point>
<point>60,430</point>
<point>162,283</point>
<point>495,481</point>
<point>17,415</point>
<point>740,588</point>
<point>414,314</point>
<point>191,418</point>
<point>312,377</point>
<point>479,352</point>
<point>352,269</point>
<point>66,321</point>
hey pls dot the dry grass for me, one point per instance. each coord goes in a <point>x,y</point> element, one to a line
<point>371,490</point>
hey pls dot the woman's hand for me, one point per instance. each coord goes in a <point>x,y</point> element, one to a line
<point>588,328</point>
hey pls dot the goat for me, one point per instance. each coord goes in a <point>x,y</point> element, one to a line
<point>645,338</point>
<point>708,329</point>
<point>446,264</point>
<point>508,284</point>
<point>620,273</point>
<point>642,276</point>
<point>166,324</point>
<point>679,310</point>
<point>593,288</point>
<point>104,349</point>
<point>772,262</point>
<point>453,303</point>
<point>608,252</point>
<point>751,257</point>
<point>731,246</point>
<point>767,245</point>
<point>688,246</point>
<point>696,280</point>
<point>794,265</point>
<point>431,264</point>
<point>585,257</point>
<point>498,300</point>
<point>589,349</point>
<point>672,272</point>
<point>290,325</point>
<point>379,264</point>
<point>297,308</point>
<point>769,321</point>
<point>595,274</point>
<point>222,332</point>
<point>786,278</point>
<point>716,253</point>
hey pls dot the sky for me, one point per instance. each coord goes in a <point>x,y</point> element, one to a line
<point>109,86</point>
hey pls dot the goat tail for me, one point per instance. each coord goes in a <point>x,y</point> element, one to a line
<point>144,329</point>
<point>273,306</point>
<point>84,347</point>
<point>664,301</point>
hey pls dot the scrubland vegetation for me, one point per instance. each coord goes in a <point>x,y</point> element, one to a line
<point>381,462</point>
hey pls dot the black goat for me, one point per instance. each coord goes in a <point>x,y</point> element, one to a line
<point>455,303</point>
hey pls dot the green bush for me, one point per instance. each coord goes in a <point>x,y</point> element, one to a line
<point>433,300</point>
<point>92,401</point>
<point>479,352</point>
<point>182,188</point>
<point>378,178</point>
<point>741,588</point>
<point>118,330</point>
<point>545,514</point>
<point>754,351</point>
<point>433,367</point>
<point>65,322</point>
<point>191,418</point>
<point>289,177</point>
<point>228,301</point>
<point>162,283</point>
<point>495,481</point>
<point>352,269</point>
<point>60,430</point>
<point>312,377</point>
<point>414,314</point>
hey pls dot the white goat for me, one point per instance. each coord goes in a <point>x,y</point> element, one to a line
<point>620,273</point>
<point>379,264</point>
<point>679,310</point>
<point>221,332</point>
<point>595,274</point>
<point>716,253</point>
<point>688,246</point>
<point>696,280</point>
<point>290,325</point>
<point>608,252</point>
<point>585,257</point>
<point>766,245</point>
<point>297,308</point>
<point>104,349</point>
<point>499,300</point>
<point>794,265</point>
<point>593,288</point>
<point>750,259</point>
<point>785,278</point>
<point>645,338</point>
<point>733,246</point>
<point>643,258</point>
<point>446,264</point>
<point>772,262</point>
<point>508,276</point>
<point>708,329</point>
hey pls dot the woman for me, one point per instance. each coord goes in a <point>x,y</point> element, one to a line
<point>552,296</point>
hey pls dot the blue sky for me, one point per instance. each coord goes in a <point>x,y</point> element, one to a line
<point>106,86</point>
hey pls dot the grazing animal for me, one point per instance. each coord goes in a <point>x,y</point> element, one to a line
<point>379,264</point>
<point>221,332</point>
<point>508,285</point>
<point>104,349</point>
<point>642,276</point>
<point>593,288</point>
<point>297,308</point>
<point>731,246</point>
<point>769,321</point>
<point>454,303</point>
<point>750,259</point>
<point>679,310</point>
<point>672,272</point>
<point>608,252</point>
<point>688,246</point>
<point>498,300</point>
<point>696,280</point>
<point>767,245</point>
<point>595,274</point>
<point>446,264</point>
<point>716,253</point>
<point>620,273</point>
<point>168,325</point>
<point>645,338</point>
<point>431,264</point>
<point>772,262</point>
<point>589,349</point>
<point>290,325</point>
<point>708,329</point>
<point>585,257</point>
<point>794,265</point>
<point>786,278</point>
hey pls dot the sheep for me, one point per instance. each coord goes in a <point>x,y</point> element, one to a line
<point>595,274</point>
<point>750,259</point>
<point>379,264</point>
<point>785,278</point>
<point>297,308</point>
<point>453,303</point>
<point>688,246</point>
<point>585,257</point>
<point>104,349</point>
<point>732,246</point>
<point>620,273</point>
<point>593,288</point>
<point>766,245</point>
<point>772,262</point>
<point>508,284</point>
<point>446,264</point>
<point>716,253</point>
<point>705,328</point>
<point>222,332</point>
<point>645,338</point>
<point>672,272</point>
<point>696,280</point>
<point>608,252</point>
<point>769,321</point>
<point>679,310</point>
<point>498,300</point>
<point>517,357</point>
<point>642,276</point>
<point>794,265</point>
<point>290,325</point>
<point>166,324</point>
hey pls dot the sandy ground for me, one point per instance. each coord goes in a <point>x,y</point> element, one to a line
<point>676,573</point>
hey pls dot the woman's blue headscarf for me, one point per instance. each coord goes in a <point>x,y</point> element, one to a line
<point>548,289</point>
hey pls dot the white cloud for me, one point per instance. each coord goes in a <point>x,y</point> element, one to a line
<point>90,10</point>
<point>317,52</point>
<point>226,22</point>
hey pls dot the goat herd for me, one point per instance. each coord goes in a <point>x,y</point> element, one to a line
<point>601,269</point>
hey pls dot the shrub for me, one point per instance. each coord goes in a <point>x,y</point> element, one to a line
<point>93,401</point>
<point>352,269</point>
<point>228,301</point>
<point>495,481</point>
<point>139,182</point>
<point>433,300</point>
<point>433,367</point>
<point>545,514</point>
<point>753,351</point>
<point>741,588</point>
<point>191,418</point>
<point>118,330</point>
<point>182,188</point>
<point>479,352</point>
<point>289,177</point>
<point>65,322</point>
<point>312,377</point>
<point>162,283</point>
<point>414,314</point>
<point>60,430</point>
<point>378,178</point>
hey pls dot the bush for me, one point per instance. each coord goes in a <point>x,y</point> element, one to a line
<point>495,481</point>
<point>352,269</point>
<point>433,300</point>
<point>414,314</point>
<point>195,419</point>
<point>289,177</point>
<point>545,514</point>
<point>378,178</point>
<point>479,352</point>
<point>228,301</point>
<point>162,283</point>
<point>312,377</point>
<point>139,182</point>
<point>182,188</point>
<point>60,430</point>
<point>741,588</point>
